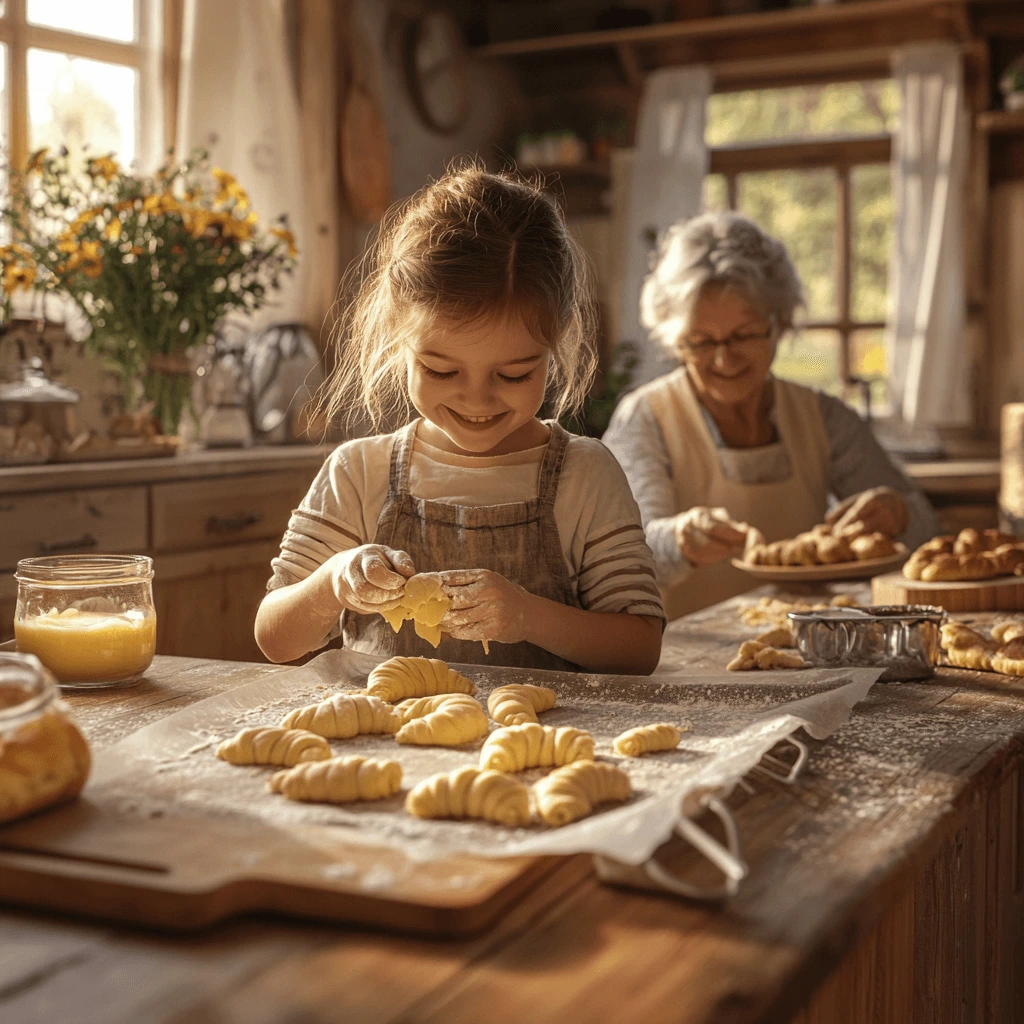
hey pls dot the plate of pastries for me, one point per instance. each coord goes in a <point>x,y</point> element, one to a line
<point>969,556</point>
<point>824,552</point>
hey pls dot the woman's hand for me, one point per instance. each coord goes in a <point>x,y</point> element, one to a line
<point>365,578</point>
<point>881,510</point>
<point>485,606</point>
<point>707,535</point>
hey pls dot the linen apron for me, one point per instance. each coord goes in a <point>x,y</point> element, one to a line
<point>779,510</point>
<point>519,540</point>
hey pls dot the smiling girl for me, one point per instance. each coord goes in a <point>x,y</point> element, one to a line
<point>474,306</point>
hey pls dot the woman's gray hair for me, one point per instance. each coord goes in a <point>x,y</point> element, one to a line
<point>724,250</point>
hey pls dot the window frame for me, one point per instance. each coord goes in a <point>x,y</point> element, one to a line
<point>19,36</point>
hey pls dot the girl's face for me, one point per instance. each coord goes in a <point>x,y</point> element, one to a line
<point>479,385</point>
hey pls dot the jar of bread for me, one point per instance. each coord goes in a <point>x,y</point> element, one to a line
<point>44,759</point>
<point>88,618</point>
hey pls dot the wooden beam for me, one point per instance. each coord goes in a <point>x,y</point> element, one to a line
<point>730,160</point>
<point>630,67</point>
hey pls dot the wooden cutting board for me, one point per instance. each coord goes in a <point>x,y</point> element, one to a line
<point>186,872</point>
<point>1003,594</point>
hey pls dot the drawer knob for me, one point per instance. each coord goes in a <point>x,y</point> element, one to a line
<point>87,540</point>
<point>234,524</point>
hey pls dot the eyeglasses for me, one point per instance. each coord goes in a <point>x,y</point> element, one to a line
<point>708,346</point>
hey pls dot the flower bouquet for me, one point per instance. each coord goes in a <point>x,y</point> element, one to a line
<point>153,261</point>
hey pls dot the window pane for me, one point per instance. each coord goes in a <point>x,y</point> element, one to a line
<point>799,208</point>
<point>81,103</point>
<point>869,361</point>
<point>716,193</point>
<point>804,111</point>
<point>811,358</point>
<point>872,216</point>
<point>110,19</point>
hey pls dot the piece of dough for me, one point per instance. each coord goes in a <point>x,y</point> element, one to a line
<point>344,715</point>
<point>754,655</point>
<point>425,602</point>
<point>339,780</point>
<point>517,703</point>
<point>967,648</point>
<point>517,747</point>
<point>572,792</point>
<point>1009,659</point>
<point>458,719</point>
<point>780,636</point>
<point>1004,632</point>
<point>418,707</point>
<point>648,739</point>
<point>270,745</point>
<point>471,793</point>
<point>399,678</point>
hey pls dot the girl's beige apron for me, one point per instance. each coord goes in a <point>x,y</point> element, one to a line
<point>518,540</point>
<point>778,510</point>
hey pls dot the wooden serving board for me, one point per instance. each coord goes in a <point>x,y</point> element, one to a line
<point>185,872</point>
<point>1005,593</point>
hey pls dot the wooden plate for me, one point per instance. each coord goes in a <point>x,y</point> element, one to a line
<point>836,571</point>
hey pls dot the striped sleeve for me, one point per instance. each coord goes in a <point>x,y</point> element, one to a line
<point>609,553</point>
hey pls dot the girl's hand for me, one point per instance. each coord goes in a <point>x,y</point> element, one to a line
<point>707,535</point>
<point>881,510</point>
<point>369,576</point>
<point>485,606</point>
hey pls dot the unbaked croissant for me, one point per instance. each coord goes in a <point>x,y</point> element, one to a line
<point>1004,632</point>
<point>399,678</point>
<point>272,745</point>
<point>647,739</point>
<point>471,793</point>
<point>417,707</point>
<point>342,716</point>
<point>458,719</point>
<point>338,780</point>
<point>517,747</point>
<point>755,655</point>
<point>572,792</point>
<point>517,703</point>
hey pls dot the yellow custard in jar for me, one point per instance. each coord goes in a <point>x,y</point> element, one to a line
<point>83,646</point>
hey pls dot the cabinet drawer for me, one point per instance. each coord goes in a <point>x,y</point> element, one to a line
<point>63,522</point>
<point>205,513</point>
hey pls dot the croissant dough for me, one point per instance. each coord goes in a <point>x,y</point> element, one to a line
<point>517,747</point>
<point>471,793</point>
<point>572,792</point>
<point>344,715</point>
<point>773,611</point>
<point>458,719</point>
<point>755,655</point>
<point>647,739</point>
<point>425,602</point>
<point>270,745</point>
<point>399,678</point>
<point>338,780</point>
<point>517,703</point>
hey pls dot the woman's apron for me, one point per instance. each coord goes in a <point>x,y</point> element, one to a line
<point>778,510</point>
<point>519,540</point>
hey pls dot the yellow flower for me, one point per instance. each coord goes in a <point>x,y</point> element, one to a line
<point>88,256</point>
<point>104,167</point>
<point>35,161</point>
<point>238,228</point>
<point>18,276</point>
<point>159,204</point>
<point>288,238</point>
<point>196,220</point>
<point>230,189</point>
<point>112,232</point>
<point>83,218</point>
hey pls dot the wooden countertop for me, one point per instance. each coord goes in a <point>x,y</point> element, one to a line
<point>189,465</point>
<point>830,857</point>
<point>955,476</point>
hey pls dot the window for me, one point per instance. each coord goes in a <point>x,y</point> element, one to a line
<point>810,165</point>
<point>74,75</point>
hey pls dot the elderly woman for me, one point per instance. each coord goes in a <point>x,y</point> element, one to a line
<point>720,443</point>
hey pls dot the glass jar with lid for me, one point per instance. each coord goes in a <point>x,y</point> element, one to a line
<point>88,618</point>
<point>44,759</point>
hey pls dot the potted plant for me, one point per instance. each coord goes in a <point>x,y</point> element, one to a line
<point>153,262</point>
<point>1011,84</point>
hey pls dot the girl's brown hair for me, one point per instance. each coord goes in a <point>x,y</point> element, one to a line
<point>473,244</point>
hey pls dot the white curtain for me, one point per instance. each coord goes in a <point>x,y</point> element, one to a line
<point>237,99</point>
<point>668,165</point>
<point>929,373</point>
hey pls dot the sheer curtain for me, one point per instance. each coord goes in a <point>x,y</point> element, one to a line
<point>929,372</point>
<point>668,164</point>
<point>237,99</point>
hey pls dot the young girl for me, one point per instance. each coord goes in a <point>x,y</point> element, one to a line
<point>474,304</point>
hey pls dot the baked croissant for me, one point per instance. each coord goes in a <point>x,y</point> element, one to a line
<point>342,716</point>
<point>1009,659</point>
<point>966,647</point>
<point>338,780</point>
<point>970,555</point>
<point>459,719</point>
<point>270,745</point>
<point>517,703</point>
<point>517,747</point>
<point>823,545</point>
<point>572,792</point>
<point>399,678</point>
<point>647,739</point>
<point>471,793</point>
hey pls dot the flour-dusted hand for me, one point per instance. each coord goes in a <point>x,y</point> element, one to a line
<point>880,510</point>
<point>707,535</point>
<point>367,577</point>
<point>485,606</point>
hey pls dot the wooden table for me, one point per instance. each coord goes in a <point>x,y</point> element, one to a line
<point>885,886</point>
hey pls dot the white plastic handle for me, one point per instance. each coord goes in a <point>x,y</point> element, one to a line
<point>792,772</point>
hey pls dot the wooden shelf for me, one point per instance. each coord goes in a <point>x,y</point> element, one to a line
<point>1002,122</point>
